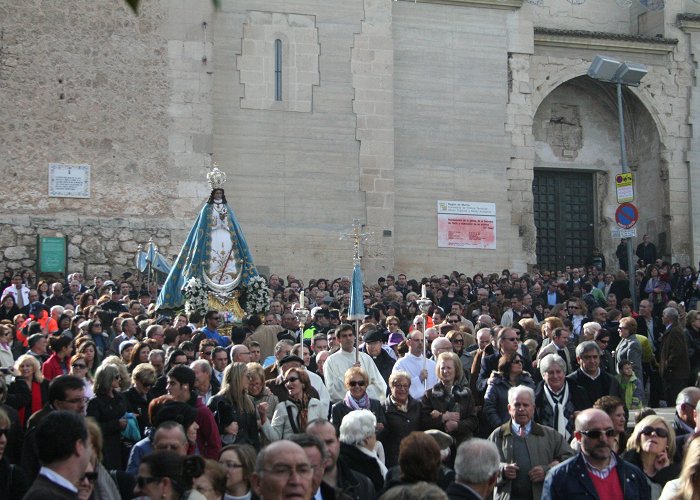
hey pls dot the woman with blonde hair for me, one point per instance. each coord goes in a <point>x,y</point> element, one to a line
<point>449,406</point>
<point>549,324</point>
<point>356,382</point>
<point>292,415</point>
<point>234,410</point>
<point>29,392</point>
<point>687,486</point>
<point>258,391</point>
<point>651,447</point>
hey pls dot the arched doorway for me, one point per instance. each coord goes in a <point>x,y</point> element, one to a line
<point>577,154</point>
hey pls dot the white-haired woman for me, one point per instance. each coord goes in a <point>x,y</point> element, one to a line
<point>558,400</point>
<point>589,330</point>
<point>358,440</point>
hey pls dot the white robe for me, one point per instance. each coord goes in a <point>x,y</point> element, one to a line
<point>413,365</point>
<point>334,373</point>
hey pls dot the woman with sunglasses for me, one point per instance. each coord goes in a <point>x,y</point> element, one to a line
<point>142,379</point>
<point>291,416</point>
<point>356,398</point>
<point>510,373</point>
<point>651,447</point>
<point>13,481</point>
<point>78,368</point>
<point>108,408</point>
<point>168,476</point>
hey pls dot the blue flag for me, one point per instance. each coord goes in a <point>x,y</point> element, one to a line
<point>141,263</point>
<point>357,304</point>
<point>151,255</point>
<point>161,264</point>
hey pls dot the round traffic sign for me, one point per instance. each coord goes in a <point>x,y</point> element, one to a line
<point>626,215</point>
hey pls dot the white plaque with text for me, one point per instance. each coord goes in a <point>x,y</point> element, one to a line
<point>69,180</point>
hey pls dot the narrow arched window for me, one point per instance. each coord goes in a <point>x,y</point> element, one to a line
<point>278,70</point>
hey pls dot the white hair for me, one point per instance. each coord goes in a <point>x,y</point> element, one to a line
<point>550,359</point>
<point>202,364</point>
<point>357,426</point>
<point>516,391</point>
<point>477,461</point>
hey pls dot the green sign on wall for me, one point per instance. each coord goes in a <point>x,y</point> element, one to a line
<point>52,255</point>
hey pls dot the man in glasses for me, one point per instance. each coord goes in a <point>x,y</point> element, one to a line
<point>596,470</point>
<point>66,393</point>
<point>283,470</point>
<point>527,449</point>
<point>212,320</point>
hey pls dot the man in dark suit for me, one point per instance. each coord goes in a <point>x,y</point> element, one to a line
<point>477,466</point>
<point>64,453</point>
<point>674,363</point>
<point>651,328</point>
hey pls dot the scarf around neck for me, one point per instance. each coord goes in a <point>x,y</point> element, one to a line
<point>353,404</point>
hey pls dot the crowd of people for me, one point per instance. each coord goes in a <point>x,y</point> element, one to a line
<point>508,386</point>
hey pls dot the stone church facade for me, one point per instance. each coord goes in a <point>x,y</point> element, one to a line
<point>321,112</point>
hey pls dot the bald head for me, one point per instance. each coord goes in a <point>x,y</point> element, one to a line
<point>240,353</point>
<point>591,418</point>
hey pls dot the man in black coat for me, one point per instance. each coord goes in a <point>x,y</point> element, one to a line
<point>477,467</point>
<point>373,347</point>
<point>338,474</point>
<point>595,382</point>
<point>64,453</point>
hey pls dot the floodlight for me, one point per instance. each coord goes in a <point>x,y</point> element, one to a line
<point>603,68</point>
<point>630,73</point>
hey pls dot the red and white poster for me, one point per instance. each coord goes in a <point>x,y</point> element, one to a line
<point>463,224</point>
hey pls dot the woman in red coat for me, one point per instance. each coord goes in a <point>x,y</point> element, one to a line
<point>57,364</point>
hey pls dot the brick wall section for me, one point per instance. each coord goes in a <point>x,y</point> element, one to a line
<point>372,67</point>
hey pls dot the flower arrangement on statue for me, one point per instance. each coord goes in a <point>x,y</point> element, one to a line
<point>257,296</point>
<point>196,298</point>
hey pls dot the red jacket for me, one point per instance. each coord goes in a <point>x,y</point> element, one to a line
<point>52,368</point>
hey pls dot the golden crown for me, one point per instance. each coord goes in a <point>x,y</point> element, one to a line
<point>216,178</point>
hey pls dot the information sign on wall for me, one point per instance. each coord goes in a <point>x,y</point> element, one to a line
<point>69,180</point>
<point>52,255</point>
<point>464,224</point>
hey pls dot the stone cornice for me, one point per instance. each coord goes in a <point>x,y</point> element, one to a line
<point>485,4</point>
<point>689,22</point>
<point>596,40</point>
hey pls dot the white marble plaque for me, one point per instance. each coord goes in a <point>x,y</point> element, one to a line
<point>69,180</point>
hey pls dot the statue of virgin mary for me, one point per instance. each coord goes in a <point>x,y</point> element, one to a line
<point>214,257</point>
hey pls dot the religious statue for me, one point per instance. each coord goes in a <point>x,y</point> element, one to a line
<point>214,269</point>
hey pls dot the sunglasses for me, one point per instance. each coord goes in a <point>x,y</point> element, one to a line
<point>659,431</point>
<point>291,380</point>
<point>597,434</point>
<point>4,432</point>
<point>517,362</point>
<point>79,366</point>
<point>355,383</point>
<point>90,476</point>
<point>142,481</point>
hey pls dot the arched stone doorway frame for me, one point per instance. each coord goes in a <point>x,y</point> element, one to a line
<point>546,81</point>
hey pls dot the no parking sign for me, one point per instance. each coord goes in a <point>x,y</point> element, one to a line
<point>626,215</point>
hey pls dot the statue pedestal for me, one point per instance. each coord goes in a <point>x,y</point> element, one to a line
<point>228,305</point>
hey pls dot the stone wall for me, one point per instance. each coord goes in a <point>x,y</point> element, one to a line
<point>95,244</point>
